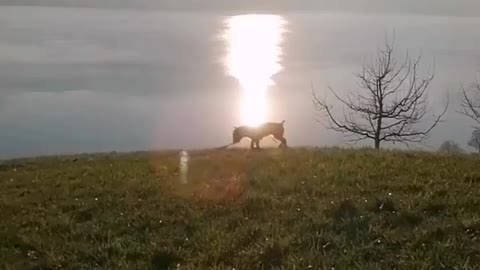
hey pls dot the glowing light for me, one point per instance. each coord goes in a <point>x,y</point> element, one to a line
<point>253,57</point>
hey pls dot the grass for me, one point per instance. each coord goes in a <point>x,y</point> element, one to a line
<point>272,209</point>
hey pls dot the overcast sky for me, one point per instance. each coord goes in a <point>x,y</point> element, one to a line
<point>438,7</point>
<point>120,76</point>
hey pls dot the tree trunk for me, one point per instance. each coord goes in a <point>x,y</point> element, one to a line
<point>377,132</point>
<point>377,143</point>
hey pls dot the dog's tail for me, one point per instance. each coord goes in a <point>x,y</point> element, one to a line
<point>223,147</point>
<point>283,122</point>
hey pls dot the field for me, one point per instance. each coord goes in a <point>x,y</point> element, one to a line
<point>271,209</point>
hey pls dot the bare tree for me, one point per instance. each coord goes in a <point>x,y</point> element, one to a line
<point>470,107</point>
<point>471,102</point>
<point>450,147</point>
<point>388,106</point>
<point>475,140</point>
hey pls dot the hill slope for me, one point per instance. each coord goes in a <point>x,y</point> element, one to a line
<point>272,209</point>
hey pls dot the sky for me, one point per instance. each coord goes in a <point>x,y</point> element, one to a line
<point>138,75</point>
<point>431,7</point>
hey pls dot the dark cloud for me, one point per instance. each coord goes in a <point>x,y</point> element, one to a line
<point>127,78</point>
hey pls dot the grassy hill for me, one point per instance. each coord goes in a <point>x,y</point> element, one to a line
<point>272,209</point>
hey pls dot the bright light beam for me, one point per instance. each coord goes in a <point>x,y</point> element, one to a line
<point>253,58</point>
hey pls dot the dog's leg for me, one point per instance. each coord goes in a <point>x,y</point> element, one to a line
<point>283,141</point>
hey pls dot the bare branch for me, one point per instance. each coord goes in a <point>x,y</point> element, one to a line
<point>471,103</point>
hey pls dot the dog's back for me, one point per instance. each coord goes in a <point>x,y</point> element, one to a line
<point>263,130</point>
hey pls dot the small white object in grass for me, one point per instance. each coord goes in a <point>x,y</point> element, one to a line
<point>11,179</point>
<point>160,221</point>
<point>389,194</point>
<point>96,199</point>
<point>184,159</point>
<point>32,254</point>
<point>14,169</point>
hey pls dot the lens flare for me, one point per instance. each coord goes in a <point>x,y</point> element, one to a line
<point>254,55</point>
<point>183,164</point>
